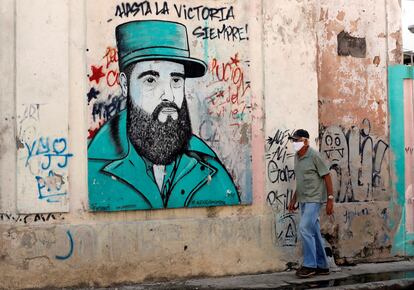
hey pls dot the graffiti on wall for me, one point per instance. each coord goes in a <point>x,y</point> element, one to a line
<point>229,97</point>
<point>194,13</point>
<point>43,160</point>
<point>70,251</point>
<point>163,123</point>
<point>281,185</point>
<point>357,165</point>
<point>356,160</point>
<point>370,221</point>
<point>367,220</point>
<point>51,154</point>
<point>30,218</point>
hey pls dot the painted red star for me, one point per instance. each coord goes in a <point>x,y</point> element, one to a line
<point>235,60</point>
<point>97,74</point>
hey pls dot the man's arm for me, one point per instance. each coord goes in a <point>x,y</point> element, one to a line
<point>329,189</point>
<point>291,206</point>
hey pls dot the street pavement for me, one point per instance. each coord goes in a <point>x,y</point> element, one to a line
<point>391,275</point>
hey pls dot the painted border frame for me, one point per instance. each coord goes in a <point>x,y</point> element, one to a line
<point>402,243</point>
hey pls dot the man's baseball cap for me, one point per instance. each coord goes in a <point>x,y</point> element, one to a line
<point>300,133</point>
<point>156,40</point>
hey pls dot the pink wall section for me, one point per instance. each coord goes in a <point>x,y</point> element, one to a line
<point>409,154</point>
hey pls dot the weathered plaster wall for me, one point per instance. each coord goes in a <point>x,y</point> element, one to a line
<point>43,155</point>
<point>60,249</point>
<point>290,92</point>
<point>357,40</point>
<point>295,74</point>
<point>7,121</point>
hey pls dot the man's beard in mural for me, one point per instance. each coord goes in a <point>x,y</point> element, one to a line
<point>159,142</point>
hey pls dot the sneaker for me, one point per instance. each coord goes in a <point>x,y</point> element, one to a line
<point>322,271</point>
<point>305,272</point>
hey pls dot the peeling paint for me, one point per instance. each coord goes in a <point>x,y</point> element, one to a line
<point>28,240</point>
<point>376,60</point>
<point>19,144</point>
<point>354,25</point>
<point>349,45</point>
<point>397,52</point>
<point>245,134</point>
<point>340,16</point>
<point>323,15</point>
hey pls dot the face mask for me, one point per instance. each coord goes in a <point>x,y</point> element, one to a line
<point>298,145</point>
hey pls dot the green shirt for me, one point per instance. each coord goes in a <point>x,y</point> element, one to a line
<point>120,178</point>
<point>309,170</point>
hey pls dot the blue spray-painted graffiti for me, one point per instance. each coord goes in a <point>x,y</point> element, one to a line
<point>52,183</point>
<point>108,109</point>
<point>52,156</point>
<point>43,147</point>
<point>71,243</point>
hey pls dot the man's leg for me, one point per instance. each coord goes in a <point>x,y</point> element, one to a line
<point>307,229</point>
<point>321,260</point>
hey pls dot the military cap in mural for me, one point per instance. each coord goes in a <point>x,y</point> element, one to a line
<point>151,40</point>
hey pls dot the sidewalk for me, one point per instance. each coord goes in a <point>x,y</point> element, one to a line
<point>393,275</point>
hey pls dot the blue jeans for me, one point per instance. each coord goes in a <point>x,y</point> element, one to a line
<point>310,231</point>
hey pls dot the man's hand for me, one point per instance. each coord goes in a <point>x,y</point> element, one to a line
<point>291,206</point>
<point>329,207</point>
<point>329,188</point>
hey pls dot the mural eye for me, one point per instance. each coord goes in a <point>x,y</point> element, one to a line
<point>177,82</point>
<point>150,81</point>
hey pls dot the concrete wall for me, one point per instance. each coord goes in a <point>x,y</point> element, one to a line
<point>290,78</point>
<point>49,236</point>
<point>354,49</point>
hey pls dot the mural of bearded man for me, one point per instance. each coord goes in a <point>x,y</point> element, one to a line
<point>146,157</point>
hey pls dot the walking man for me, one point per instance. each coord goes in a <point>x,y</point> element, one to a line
<point>313,188</point>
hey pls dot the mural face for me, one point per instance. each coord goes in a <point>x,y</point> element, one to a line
<point>144,153</point>
<point>158,124</point>
<point>153,82</point>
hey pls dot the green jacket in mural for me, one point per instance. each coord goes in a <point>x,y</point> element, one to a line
<point>120,179</point>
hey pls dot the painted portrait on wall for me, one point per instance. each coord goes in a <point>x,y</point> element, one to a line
<point>166,128</point>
